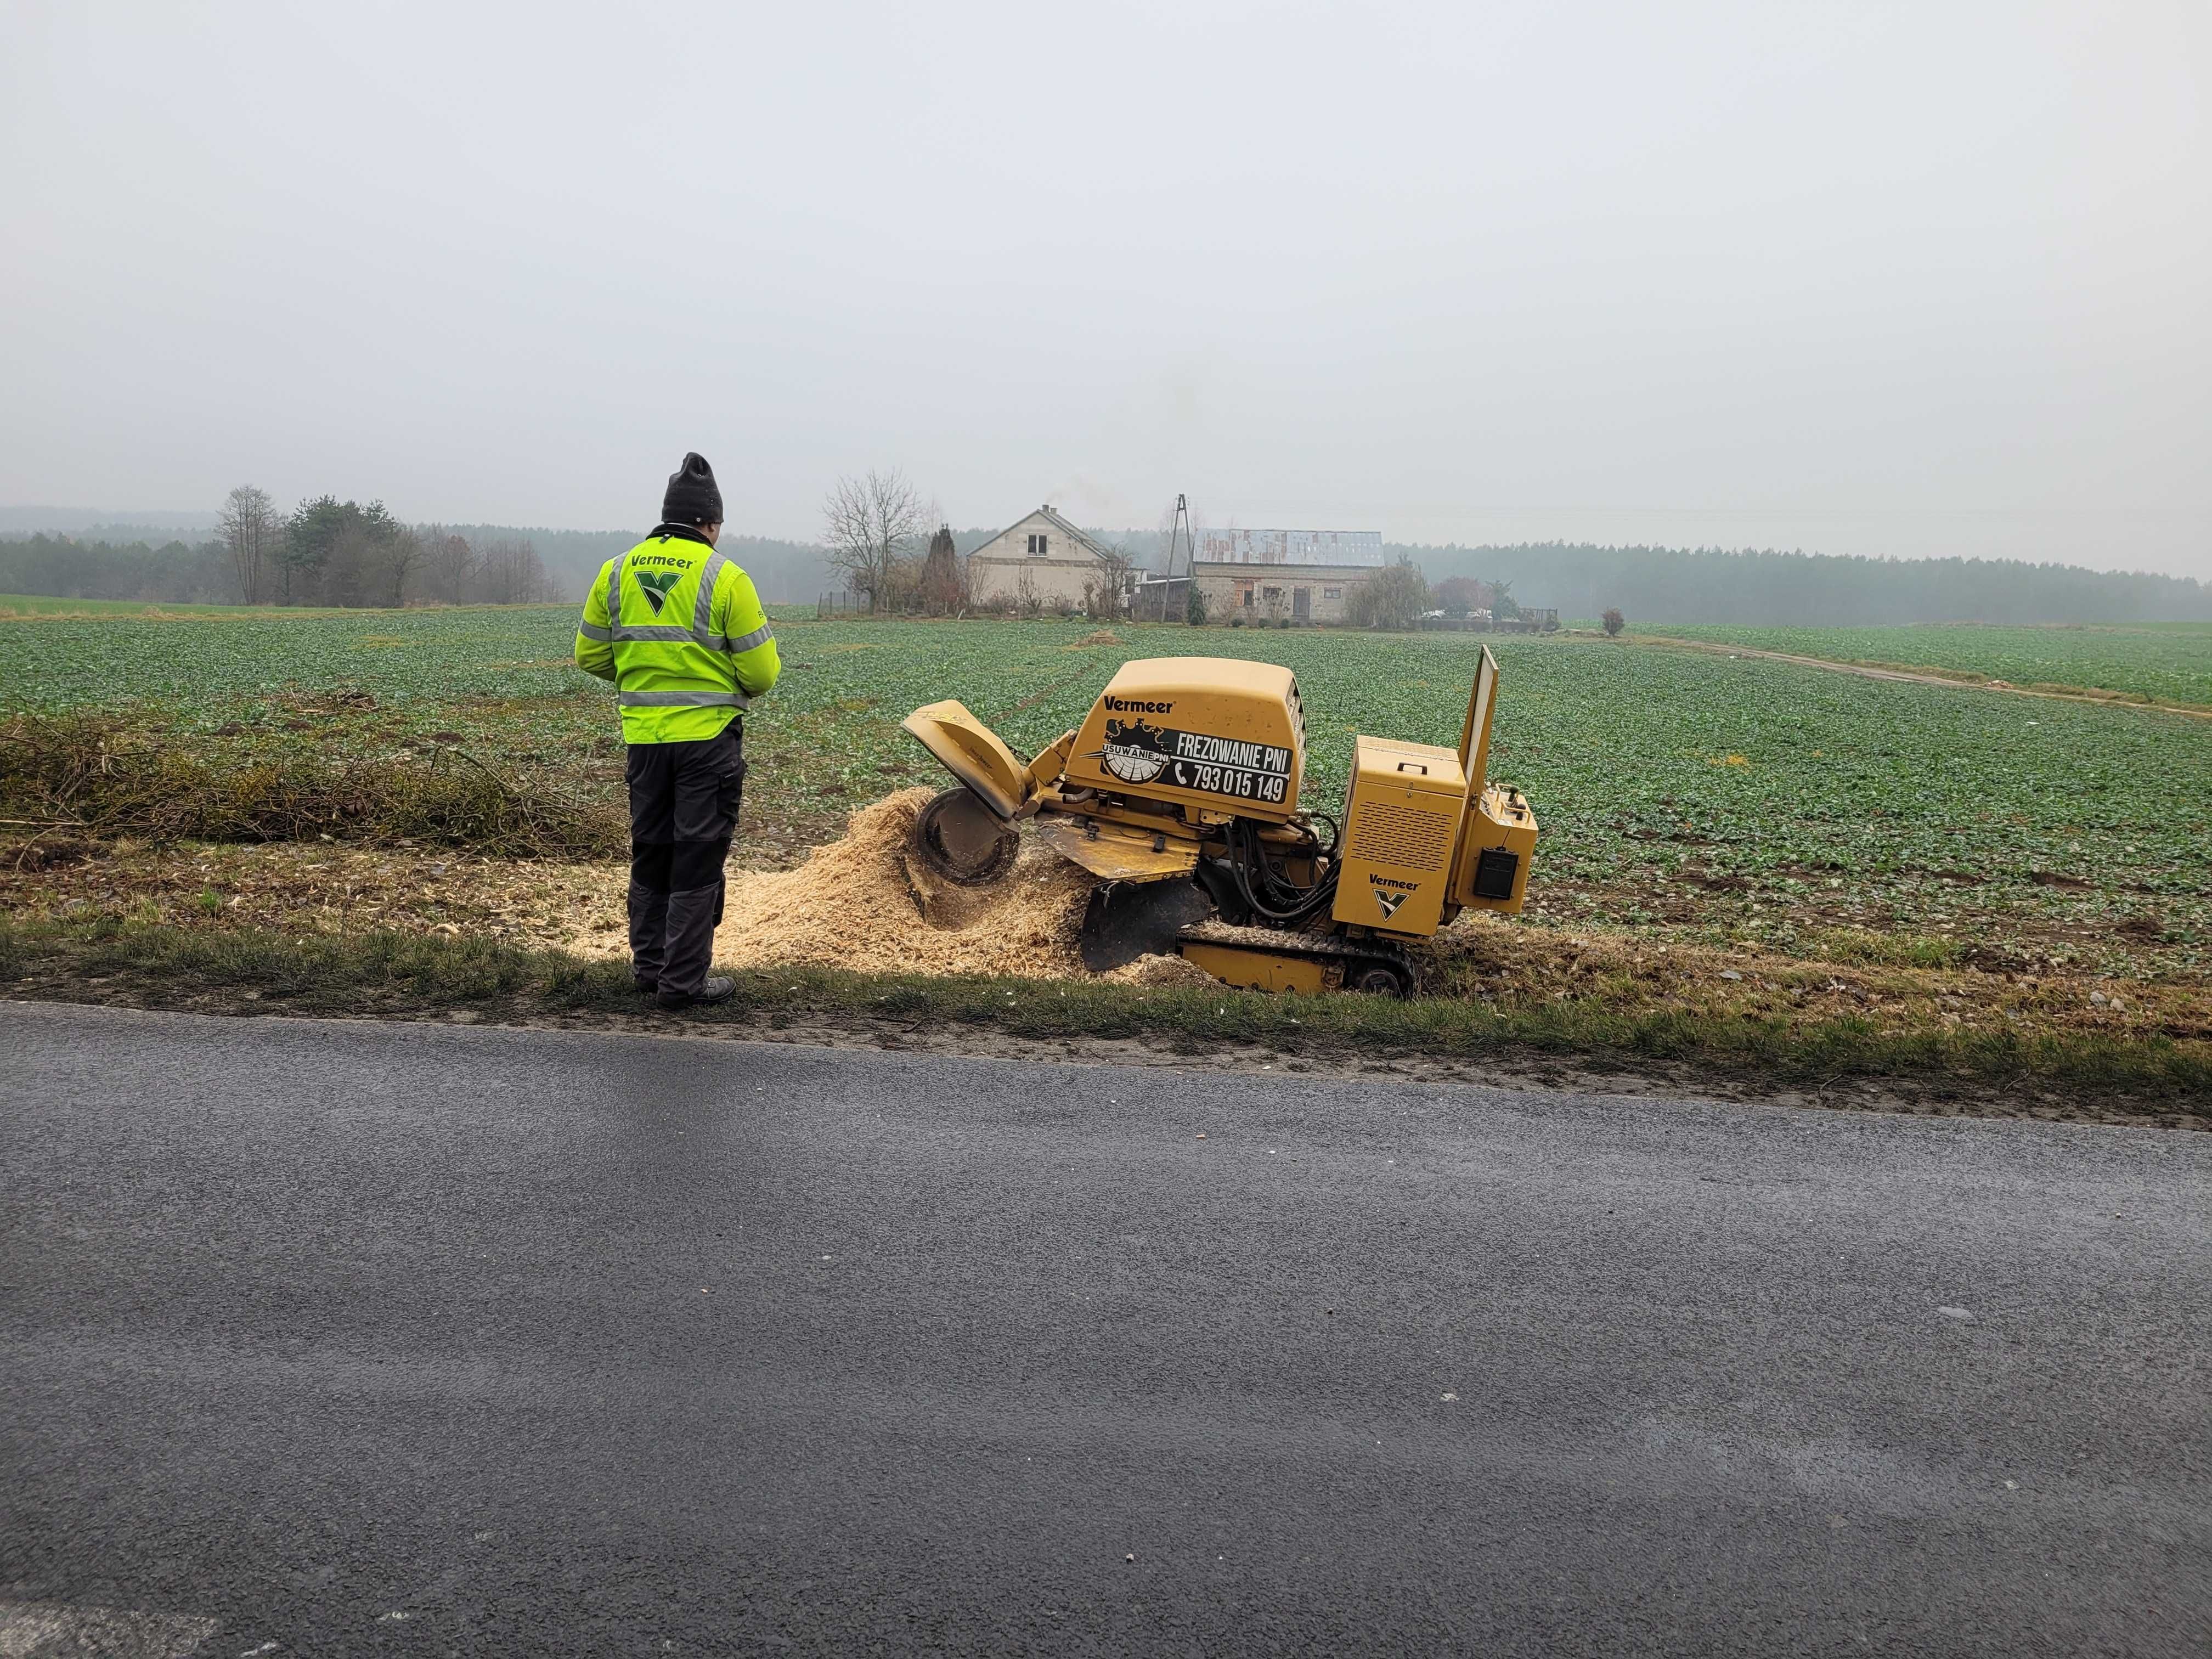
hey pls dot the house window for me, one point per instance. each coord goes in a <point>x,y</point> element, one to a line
<point>1274,593</point>
<point>1248,598</point>
<point>1036,546</point>
<point>1331,592</point>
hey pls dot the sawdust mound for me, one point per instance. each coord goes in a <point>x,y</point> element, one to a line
<point>1162,971</point>
<point>851,905</point>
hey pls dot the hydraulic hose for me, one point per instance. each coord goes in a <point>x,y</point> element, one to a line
<point>1282,903</point>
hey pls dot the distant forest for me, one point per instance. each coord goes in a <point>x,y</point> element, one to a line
<point>1813,589</point>
<point>356,565</point>
<point>349,554</point>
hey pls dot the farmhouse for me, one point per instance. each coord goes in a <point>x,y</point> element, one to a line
<point>1267,575</point>
<point>1042,560</point>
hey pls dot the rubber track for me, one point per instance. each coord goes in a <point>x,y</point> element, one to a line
<point>1318,947</point>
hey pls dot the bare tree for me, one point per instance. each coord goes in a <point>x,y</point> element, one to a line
<point>512,573</point>
<point>1103,594</point>
<point>870,523</point>
<point>254,534</point>
<point>449,563</point>
<point>402,555</point>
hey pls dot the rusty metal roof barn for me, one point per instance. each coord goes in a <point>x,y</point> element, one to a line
<point>1329,547</point>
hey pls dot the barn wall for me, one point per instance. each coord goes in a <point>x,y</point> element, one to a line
<point>1223,586</point>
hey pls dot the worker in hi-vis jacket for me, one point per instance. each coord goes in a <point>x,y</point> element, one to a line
<point>679,629</point>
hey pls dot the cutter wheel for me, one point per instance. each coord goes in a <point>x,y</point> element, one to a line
<point>961,839</point>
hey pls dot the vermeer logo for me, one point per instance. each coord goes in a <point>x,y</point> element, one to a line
<point>1124,706</point>
<point>1389,893</point>
<point>655,584</point>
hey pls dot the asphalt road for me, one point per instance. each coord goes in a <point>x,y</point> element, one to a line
<point>358,1338</point>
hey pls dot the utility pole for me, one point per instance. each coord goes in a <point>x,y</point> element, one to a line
<point>1178,526</point>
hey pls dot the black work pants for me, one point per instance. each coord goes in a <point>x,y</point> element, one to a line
<point>683,803</point>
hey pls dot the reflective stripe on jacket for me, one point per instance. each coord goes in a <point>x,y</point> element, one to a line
<point>680,631</point>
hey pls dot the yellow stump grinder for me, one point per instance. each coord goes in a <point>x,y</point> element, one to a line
<point>1180,792</point>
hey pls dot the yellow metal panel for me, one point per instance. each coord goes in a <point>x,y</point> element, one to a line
<point>1153,677</point>
<point>1114,850</point>
<point>1415,766</point>
<point>1047,764</point>
<point>973,753</point>
<point>1475,734</point>
<point>1201,732</point>
<point>1502,824</point>
<point>1400,826</point>
<point>1256,970</point>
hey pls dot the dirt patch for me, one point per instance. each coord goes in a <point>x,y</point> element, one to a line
<point>1924,675</point>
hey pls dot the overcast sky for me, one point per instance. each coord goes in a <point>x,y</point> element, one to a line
<point>1915,278</point>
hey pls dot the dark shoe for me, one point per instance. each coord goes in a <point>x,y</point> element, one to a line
<point>645,987</point>
<point>715,990</point>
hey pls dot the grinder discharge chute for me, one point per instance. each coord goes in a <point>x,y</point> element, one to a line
<point>1180,793</point>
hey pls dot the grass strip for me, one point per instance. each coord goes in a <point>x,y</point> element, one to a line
<point>87,774</point>
<point>403,975</point>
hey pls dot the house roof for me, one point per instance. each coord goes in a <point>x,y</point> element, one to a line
<point>1342,548</point>
<point>1089,543</point>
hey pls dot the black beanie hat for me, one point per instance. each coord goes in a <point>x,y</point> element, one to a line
<point>693,495</point>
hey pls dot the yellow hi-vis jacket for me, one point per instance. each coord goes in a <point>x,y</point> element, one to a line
<point>680,631</point>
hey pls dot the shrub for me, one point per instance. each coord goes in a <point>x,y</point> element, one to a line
<point>1393,598</point>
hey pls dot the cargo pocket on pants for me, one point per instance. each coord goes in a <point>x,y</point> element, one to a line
<point>734,790</point>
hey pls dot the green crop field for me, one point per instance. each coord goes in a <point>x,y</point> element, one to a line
<point>1677,790</point>
<point>200,667</point>
<point>38,604</point>
<point>2169,662</point>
